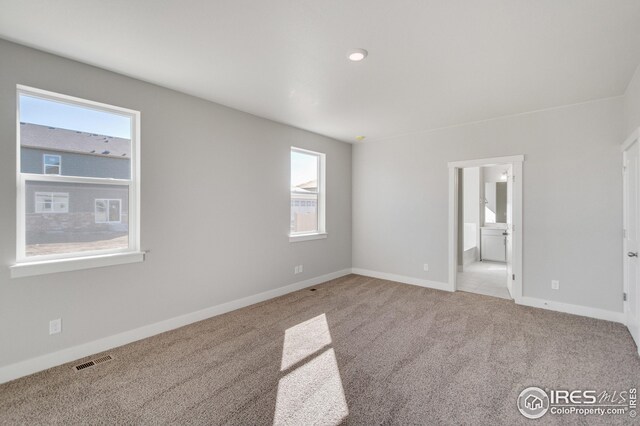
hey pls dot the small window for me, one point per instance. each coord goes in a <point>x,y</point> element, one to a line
<point>52,164</point>
<point>108,211</point>
<point>307,193</point>
<point>62,211</point>
<point>52,202</point>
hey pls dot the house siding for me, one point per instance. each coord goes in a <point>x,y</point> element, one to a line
<point>75,164</point>
<point>79,223</point>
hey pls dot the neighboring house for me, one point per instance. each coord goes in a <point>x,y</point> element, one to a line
<point>304,207</point>
<point>92,212</point>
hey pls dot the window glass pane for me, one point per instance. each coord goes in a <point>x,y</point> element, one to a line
<point>304,192</point>
<point>304,172</point>
<point>101,211</point>
<point>52,160</point>
<point>114,211</point>
<point>72,140</point>
<point>62,218</point>
<point>304,217</point>
<point>51,170</point>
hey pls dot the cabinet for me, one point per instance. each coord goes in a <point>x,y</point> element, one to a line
<point>493,244</point>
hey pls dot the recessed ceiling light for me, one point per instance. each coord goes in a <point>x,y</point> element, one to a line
<point>360,138</point>
<point>357,54</point>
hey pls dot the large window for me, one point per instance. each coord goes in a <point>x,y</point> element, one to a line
<point>89,208</point>
<point>307,195</point>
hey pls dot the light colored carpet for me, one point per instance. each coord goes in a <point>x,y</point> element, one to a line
<point>357,350</point>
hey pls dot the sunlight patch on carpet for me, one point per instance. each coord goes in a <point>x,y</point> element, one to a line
<point>303,340</point>
<point>311,392</point>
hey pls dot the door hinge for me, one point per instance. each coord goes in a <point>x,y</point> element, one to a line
<point>513,277</point>
<point>624,297</point>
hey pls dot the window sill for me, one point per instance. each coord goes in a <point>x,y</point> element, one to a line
<point>28,269</point>
<point>307,237</point>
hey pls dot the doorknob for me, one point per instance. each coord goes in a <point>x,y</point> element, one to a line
<point>632,254</point>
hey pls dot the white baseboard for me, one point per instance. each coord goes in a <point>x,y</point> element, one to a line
<point>403,279</point>
<point>43,362</point>
<point>568,308</point>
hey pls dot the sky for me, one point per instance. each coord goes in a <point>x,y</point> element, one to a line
<point>304,167</point>
<point>66,116</point>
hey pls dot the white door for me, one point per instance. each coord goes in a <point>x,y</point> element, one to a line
<point>509,231</point>
<point>631,222</point>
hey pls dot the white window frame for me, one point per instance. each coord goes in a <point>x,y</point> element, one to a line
<point>51,195</point>
<point>108,201</point>
<point>44,264</point>
<point>44,164</point>
<point>321,231</point>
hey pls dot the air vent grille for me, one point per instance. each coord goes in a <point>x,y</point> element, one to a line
<point>92,362</point>
<point>85,365</point>
<point>102,359</point>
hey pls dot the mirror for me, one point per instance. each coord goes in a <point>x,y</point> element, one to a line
<point>495,202</point>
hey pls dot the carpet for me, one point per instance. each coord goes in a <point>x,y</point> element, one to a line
<point>355,350</point>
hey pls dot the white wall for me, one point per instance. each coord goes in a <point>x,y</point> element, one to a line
<point>632,104</point>
<point>494,173</point>
<point>215,212</point>
<point>572,199</point>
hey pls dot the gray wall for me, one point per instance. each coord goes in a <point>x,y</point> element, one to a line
<point>572,199</point>
<point>215,212</point>
<point>632,104</point>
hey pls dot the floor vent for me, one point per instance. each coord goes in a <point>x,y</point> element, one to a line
<point>93,362</point>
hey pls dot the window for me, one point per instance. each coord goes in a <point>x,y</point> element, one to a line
<point>52,164</point>
<point>52,202</point>
<point>108,211</point>
<point>87,213</point>
<point>307,195</point>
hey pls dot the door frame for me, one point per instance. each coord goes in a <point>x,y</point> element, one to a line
<point>516,234</point>
<point>634,137</point>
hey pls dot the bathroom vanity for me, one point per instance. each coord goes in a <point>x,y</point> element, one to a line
<point>493,244</point>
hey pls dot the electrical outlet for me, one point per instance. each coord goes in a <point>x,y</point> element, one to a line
<point>426,266</point>
<point>555,285</point>
<point>300,268</point>
<point>55,326</point>
<point>297,269</point>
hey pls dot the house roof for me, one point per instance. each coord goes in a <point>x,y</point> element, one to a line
<point>65,140</point>
<point>312,184</point>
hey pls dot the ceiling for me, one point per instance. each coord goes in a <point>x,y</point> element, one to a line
<point>431,63</point>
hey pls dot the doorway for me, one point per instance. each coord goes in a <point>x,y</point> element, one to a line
<point>485,226</point>
<point>484,223</point>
